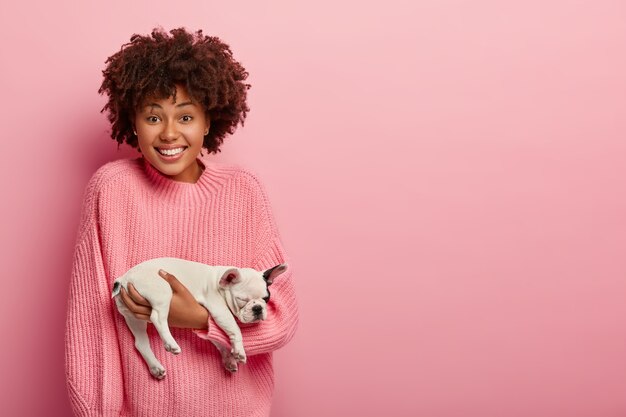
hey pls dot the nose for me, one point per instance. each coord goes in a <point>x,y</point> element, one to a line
<point>169,131</point>
<point>257,309</point>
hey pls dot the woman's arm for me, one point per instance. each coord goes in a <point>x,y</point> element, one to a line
<point>92,359</point>
<point>282,310</point>
<point>185,312</point>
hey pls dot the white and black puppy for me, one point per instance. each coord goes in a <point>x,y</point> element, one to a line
<point>225,291</point>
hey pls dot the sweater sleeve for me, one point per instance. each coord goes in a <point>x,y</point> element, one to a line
<point>282,311</point>
<point>92,358</point>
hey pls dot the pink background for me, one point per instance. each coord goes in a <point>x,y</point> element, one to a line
<point>448,178</point>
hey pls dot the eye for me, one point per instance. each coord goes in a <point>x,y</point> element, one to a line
<point>152,119</point>
<point>241,302</point>
<point>187,118</point>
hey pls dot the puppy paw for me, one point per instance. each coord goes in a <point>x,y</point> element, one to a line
<point>175,349</point>
<point>158,372</point>
<point>230,363</point>
<point>239,355</point>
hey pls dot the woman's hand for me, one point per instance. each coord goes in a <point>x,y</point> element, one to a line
<point>185,312</point>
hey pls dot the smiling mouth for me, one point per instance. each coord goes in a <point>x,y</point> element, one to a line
<point>171,152</point>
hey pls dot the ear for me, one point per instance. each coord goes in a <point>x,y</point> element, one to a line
<point>230,277</point>
<point>273,272</point>
<point>207,120</point>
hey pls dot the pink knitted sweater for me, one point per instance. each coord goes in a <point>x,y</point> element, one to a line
<point>131,213</point>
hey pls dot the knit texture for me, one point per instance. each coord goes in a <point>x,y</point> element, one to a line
<point>132,213</point>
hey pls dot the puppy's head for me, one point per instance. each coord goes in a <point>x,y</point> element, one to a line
<point>247,291</point>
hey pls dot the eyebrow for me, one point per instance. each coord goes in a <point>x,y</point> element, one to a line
<point>187,103</point>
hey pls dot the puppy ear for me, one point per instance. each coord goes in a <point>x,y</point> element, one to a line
<point>273,272</point>
<point>230,277</point>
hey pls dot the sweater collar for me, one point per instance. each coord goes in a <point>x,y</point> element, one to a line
<point>159,177</point>
<point>183,193</point>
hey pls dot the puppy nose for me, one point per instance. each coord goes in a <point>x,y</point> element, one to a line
<point>257,309</point>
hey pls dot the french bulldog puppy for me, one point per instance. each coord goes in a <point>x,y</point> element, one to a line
<point>226,291</point>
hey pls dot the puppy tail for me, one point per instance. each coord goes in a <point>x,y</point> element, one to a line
<point>117,287</point>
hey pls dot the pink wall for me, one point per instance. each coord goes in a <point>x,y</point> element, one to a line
<point>448,178</point>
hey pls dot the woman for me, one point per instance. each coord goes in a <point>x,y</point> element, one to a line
<point>171,96</point>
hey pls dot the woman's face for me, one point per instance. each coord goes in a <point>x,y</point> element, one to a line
<point>177,128</point>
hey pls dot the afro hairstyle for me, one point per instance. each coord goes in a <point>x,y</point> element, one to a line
<point>150,67</point>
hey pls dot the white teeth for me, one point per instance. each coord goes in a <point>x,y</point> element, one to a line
<point>171,151</point>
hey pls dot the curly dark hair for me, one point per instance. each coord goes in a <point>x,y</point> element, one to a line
<point>151,66</point>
